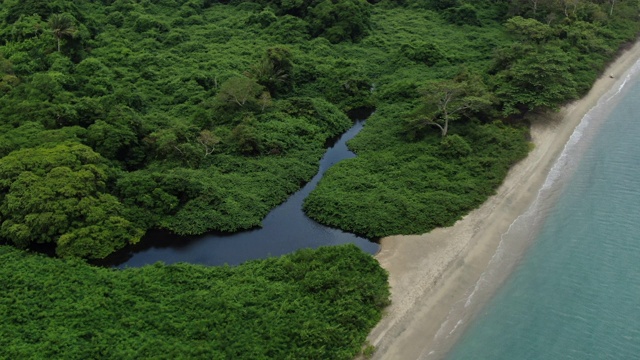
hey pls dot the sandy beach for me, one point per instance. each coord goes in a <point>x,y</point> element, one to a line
<point>430,273</point>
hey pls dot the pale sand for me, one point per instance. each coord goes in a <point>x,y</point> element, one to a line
<point>430,272</point>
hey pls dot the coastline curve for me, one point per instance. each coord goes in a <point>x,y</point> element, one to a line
<point>431,275</point>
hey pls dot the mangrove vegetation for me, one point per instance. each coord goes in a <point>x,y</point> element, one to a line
<point>313,304</point>
<point>197,115</point>
<point>120,116</point>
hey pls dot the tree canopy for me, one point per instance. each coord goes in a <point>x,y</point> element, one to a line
<point>448,100</point>
<point>121,116</point>
<point>207,114</point>
<point>57,195</point>
<point>311,304</point>
<point>61,25</point>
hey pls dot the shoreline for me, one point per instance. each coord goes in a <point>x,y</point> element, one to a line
<point>429,273</point>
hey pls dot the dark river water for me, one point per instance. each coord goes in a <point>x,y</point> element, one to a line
<point>285,229</point>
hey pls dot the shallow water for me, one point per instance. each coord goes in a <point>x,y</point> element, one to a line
<point>285,229</point>
<point>575,294</point>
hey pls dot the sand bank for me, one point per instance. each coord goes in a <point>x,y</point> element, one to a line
<point>429,273</point>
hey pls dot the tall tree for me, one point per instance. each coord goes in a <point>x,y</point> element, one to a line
<point>208,140</point>
<point>239,91</point>
<point>61,26</point>
<point>449,100</point>
<point>274,71</point>
<point>612,3</point>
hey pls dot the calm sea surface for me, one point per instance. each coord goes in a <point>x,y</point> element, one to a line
<point>575,294</point>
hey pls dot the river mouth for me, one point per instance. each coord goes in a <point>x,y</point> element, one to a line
<point>284,230</point>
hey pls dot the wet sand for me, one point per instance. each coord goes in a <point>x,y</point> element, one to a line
<point>429,273</point>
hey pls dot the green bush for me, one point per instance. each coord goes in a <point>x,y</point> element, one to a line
<point>399,188</point>
<point>310,304</point>
<point>423,52</point>
<point>454,146</point>
<point>465,14</point>
<point>140,82</point>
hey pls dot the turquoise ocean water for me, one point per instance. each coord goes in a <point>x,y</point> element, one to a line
<point>575,292</point>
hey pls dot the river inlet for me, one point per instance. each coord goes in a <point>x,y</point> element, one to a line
<point>284,230</point>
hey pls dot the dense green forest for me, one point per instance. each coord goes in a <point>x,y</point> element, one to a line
<point>313,304</point>
<point>118,116</point>
<point>472,71</point>
<point>197,115</point>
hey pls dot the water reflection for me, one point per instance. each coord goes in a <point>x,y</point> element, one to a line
<point>285,229</point>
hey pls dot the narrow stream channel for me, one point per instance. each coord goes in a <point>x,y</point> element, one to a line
<point>285,229</point>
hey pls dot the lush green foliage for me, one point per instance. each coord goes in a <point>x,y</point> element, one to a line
<point>57,195</point>
<point>334,20</point>
<point>407,188</point>
<point>501,61</point>
<point>117,116</point>
<point>313,304</point>
<point>203,115</point>
<point>194,121</point>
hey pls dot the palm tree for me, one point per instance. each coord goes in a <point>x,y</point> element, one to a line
<point>62,26</point>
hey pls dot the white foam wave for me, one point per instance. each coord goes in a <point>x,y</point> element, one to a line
<point>559,168</point>
<point>529,219</point>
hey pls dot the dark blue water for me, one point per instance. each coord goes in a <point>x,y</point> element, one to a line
<point>576,292</point>
<point>284,230</point>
